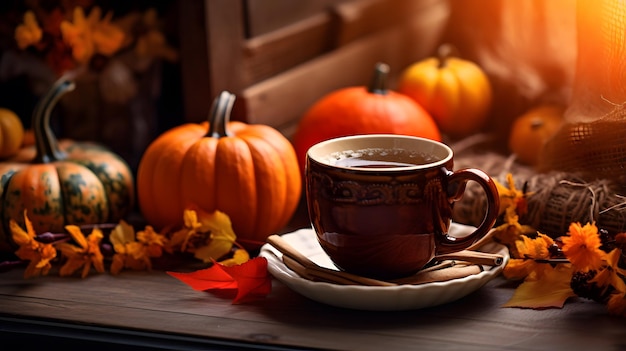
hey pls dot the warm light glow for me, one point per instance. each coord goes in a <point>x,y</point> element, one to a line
<point>601,70</point>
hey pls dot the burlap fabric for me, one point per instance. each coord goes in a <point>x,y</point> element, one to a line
<point>593,141</point>
<point>581,176</point>
<point>555,199</point>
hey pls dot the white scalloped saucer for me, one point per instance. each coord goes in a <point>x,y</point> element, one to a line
<point>395,298</point>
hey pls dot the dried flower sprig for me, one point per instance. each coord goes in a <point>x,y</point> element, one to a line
<point>585,262</point>
<point>126,248</point>
<point>72,39</point>
<point>135,251</point>
<point>74,42</point>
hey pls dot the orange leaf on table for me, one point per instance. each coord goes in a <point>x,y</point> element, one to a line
<point>552,290</point>
<point>245,280</point>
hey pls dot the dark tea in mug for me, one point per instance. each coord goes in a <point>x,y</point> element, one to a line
<point>380,158</point>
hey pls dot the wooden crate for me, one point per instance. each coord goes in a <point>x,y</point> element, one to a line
<point>279,61</point>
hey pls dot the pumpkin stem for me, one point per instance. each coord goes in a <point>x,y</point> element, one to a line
<point>379,81</point>
<point>45,140</point>
<point>220,115</point>
<point>444,52</point>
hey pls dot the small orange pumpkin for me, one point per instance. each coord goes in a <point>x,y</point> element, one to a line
<point>532,130</point>
<point>249,172</point>
<point>456,92</point>
<point>362,110</point>
<point>11,133</point>
<point>64,182</point>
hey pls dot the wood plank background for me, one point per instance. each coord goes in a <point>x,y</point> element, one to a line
<point>278,72</point>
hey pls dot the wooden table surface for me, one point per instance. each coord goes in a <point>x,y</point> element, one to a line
<point>152,310</point>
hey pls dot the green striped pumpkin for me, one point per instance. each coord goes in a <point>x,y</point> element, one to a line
<point>62,182</point>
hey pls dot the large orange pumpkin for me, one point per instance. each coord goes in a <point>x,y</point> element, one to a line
<point>362,110</point>
<point>249,172</point>
<point>61,183</point>
<point>455,91</point>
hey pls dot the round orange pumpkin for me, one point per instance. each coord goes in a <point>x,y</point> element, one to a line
<point>64,182</point>
<point>11,133</point>
<point>531,131</point>
<point>249,172</point>
<point>362,110</point>
<point>456,92</point>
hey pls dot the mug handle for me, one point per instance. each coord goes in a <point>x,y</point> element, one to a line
<point>457,182</point>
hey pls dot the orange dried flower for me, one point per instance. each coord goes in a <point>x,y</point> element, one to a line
<point>84,255</point>
<point>153,241</point>
<point>529,251</point>
<point>582,247</point>
<point>39,254</point>
<point>511,197</point>
<point>28,33</point>
<point>90,35</point>
<point>135,251</point>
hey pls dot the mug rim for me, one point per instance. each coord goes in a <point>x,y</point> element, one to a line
<point>311,152</point>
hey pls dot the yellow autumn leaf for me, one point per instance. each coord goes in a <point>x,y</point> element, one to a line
<point>214,250</point>
<point>208,235</point>
<point>218,223</point>
<point>551,290</point>
<point>122,234</point>
<point>222,237</point>
<point>240,256</point>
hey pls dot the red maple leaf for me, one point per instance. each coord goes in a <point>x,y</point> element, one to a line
<point>249,279</point>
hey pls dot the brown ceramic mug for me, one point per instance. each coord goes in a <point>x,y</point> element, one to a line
<point>381,204</point>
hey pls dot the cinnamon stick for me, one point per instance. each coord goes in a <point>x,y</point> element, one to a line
<point>450,267</point>
<point>441,275</point>
<point>311,269</point>
<point>316,275</point>
<point>476,257</point>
